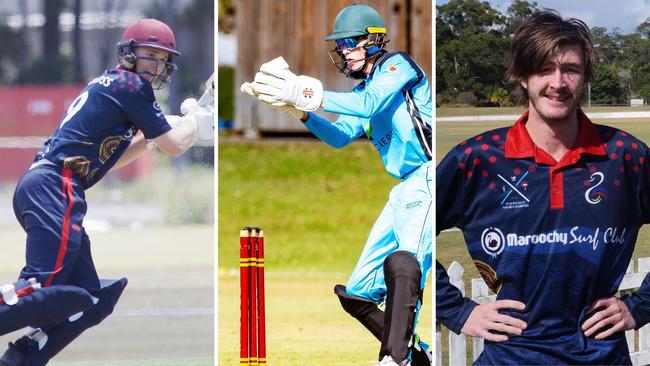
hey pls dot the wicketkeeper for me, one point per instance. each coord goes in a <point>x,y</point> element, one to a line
<point>391,106</point>
<point>112,122</point>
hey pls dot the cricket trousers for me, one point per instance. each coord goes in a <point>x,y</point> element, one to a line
<point>404,224</point>
<point>50,205</point>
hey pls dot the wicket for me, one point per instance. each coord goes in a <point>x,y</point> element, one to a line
<point>252,320</point>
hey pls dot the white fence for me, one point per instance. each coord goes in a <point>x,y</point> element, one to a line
<point>458,345</point>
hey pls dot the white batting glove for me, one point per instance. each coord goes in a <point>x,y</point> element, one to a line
<point>188,106</point>
<point>203,119</point>
<point>249,88</point>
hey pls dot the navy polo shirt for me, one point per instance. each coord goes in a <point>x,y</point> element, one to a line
<point>555,235</point>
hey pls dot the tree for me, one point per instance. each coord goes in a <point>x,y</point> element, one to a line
<point>606,88</point>
<point>471,48</point>
<point>517,12</point>
<point>52,66</point>
<point>500,96</point>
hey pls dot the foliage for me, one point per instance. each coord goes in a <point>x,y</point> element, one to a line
<point>226,92</point>
<point>607,87</point>
<point>472,41</point>
<point>500,96</point>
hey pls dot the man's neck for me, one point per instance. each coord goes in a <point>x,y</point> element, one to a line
<point>555,137</point>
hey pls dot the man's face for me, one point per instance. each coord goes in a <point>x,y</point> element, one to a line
<point>355,56</point>
<point>555,90</point>
<point>150,62</point>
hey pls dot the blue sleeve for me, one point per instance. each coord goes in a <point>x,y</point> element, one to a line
<point>452,308</point>
<point>386,85</point>
<point>639,302</point>
<point>145,113</point>
<point>338,134</point>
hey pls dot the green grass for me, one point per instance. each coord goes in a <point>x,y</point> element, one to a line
<point>473,111</point>
<point>316,205</point>
<point>179,362</point>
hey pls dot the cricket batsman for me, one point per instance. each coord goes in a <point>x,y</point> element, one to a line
<point>391,106</point>
<point>113,121</point>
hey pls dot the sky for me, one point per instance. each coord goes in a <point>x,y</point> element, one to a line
<point>624,14</point>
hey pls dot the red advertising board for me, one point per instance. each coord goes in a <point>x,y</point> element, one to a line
<point>35,111</point>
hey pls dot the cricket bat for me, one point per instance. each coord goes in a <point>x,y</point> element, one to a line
<point>208,95</point>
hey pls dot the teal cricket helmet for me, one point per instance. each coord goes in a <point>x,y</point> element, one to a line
<point>357,20</point>
<point>352,25</point>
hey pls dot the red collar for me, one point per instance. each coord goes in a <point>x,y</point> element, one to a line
<point>519,145</point>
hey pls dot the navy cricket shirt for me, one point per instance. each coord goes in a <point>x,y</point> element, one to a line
<point>554,235</point>
<point>101,122</point>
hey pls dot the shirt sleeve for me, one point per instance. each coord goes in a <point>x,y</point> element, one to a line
<point>452,308</point>
<point>387,84</point>
<point>638,303</point>
<point>145,113</point>
<point>338,134</point>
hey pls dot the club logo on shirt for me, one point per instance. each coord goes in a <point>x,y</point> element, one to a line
<point>492,241</point>
<point>513,191</point>
<point>595,194</point>
<point>392,68</point>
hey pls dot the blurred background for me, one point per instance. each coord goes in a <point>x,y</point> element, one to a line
<point>151,221</point>
<point>315,203</point>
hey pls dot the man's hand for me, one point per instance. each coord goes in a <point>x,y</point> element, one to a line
<point>485,318</point>
<point>203,119</point>
<point>612,313</point>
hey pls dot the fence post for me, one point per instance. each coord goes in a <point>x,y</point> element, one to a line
<point>480,295</point>
<point>629,335</point>
<point>438,345</point>
<point>457,343</point>
<point>644,332</point>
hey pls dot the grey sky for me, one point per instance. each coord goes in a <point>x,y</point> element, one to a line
<point>624,14</point>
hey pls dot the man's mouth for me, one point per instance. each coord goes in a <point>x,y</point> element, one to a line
<point>558,98</point>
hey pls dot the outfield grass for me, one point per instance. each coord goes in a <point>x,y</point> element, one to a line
<point>473,111</point>
<point>316,205</point>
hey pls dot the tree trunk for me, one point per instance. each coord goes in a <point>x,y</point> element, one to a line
<point>79,74</point>
<point>51,34</point>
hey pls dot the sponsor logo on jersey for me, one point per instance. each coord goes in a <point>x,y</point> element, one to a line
<point>513,191</point>
<point>595,194</point>
<point>414,204</point>
<point>492,241</point>
<point>156,107</point>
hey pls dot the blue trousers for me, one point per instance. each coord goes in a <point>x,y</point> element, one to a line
<point>50,205</point>
<point>404,224</point>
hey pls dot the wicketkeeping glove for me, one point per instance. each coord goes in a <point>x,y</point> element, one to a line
<point>276,83</point>
<point>248,88</point>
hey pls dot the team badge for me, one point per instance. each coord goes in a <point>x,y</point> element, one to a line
<point>392,68</point>
<point>513,191</point>
<point>493,241</point>
<point>595,194</point>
